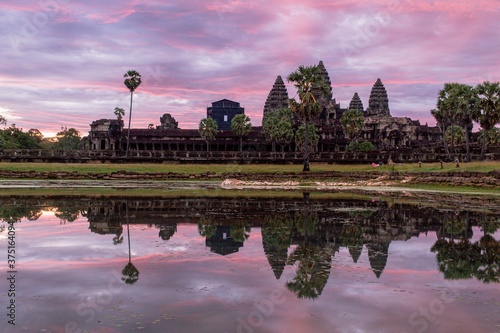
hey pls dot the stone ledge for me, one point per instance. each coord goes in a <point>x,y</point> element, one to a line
<point>488,179</point>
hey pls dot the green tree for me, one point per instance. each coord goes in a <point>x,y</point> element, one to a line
<point>36,134</point>
<point>488,110</point>
<point>132,82</point>
<point>284,128</point>
<point>269,127</point>
<point>68,139</point>
<point>360,146</point>
<point>3,121</point>
<point>458,102</point>
<point>119,113</point>
<point>306,140</point>
<point>241,126</point>
<point>208,129</point>
<point>352,122</point>
<point>278,127</point>
<point>13,137</point>
<point>455,134</point>
<point>442,121</point>
<point>492,136</point>
<point>447,106</point>
<point>308,81</point>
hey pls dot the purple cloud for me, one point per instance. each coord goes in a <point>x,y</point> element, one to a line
<point>64,59</point>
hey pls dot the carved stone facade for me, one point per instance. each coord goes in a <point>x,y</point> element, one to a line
<point>168,122</point>
<point>105,134</point>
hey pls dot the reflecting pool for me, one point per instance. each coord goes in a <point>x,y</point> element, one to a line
<point>280,262</point>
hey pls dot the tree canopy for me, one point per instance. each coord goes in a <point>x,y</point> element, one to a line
<point>488,108</point>
<point>352,122</point>
<point>241,126</point>
<point>208,129</point>
<point>132,82</point>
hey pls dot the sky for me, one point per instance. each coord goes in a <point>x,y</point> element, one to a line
<point>63,61</point>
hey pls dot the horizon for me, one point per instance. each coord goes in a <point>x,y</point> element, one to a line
<point>67,57</point>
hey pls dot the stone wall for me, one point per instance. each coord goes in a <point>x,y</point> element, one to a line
<point>151,156</point>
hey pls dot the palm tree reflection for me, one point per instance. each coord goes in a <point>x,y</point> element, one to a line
<point>130,272</point>
<point>313,257</point>
<point>463,259</point>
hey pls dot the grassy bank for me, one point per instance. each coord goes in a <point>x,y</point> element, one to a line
<point>245,168</point>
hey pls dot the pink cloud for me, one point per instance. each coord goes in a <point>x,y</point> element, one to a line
<point>70,70</point>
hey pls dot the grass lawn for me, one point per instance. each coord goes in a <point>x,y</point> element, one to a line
<point>245,168</point>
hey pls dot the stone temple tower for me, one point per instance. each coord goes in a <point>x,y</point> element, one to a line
<point>378,104</point>
<point>277,98</point>
<point>356,103</point>
<point>329,107</point>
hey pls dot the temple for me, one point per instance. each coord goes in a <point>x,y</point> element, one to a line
<point>380,128</point>
<point>223,112</point>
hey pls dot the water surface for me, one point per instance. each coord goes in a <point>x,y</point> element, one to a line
<point>300,263</point>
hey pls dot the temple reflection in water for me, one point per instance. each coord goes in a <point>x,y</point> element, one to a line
<point>302,232</point>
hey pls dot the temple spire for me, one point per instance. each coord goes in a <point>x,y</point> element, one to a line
<point>378,105</point>
<point>356,103</point>
<point>277,98</point>
<point>326,78</point>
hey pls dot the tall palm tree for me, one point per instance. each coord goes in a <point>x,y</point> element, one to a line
<point>132,82</point>
<point>208,129</point>
<point>119,113</point>
<point>442,121</point>
<point>488,111</point>
<point>241,126</point>
<point>308,81</point>
<point>463,102</point>
<point>446,105</point>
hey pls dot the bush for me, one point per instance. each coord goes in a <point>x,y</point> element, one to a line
<point>361,146</point>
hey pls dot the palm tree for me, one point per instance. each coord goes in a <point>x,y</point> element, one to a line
<point>308,81</point>
<point>492,136</point>
<point>442,121</point>
<point>208,129</point>
<point>461,102</point>
<point>119,113</point>
<point>455,133</point>
<point>132,81</point>
<point>488,111</point>
<point>241,126</point>
<point>446,104</point>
